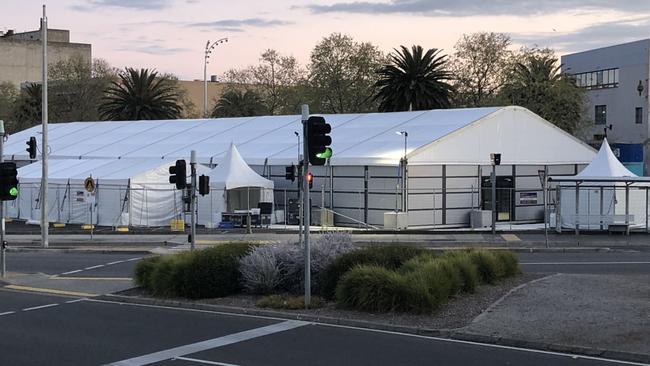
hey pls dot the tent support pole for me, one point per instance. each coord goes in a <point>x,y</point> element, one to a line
<point>577,219</point>
<point>602,200</point>
<point>627,208</point>
<point>646,209</point>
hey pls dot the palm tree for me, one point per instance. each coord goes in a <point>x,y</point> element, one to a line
<point>235,103</point>
<point>140,95</point>
<point>28,109</point>
<point>414,80</point>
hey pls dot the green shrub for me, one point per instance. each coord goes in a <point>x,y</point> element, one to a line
<point>377,289</point>
<point>417,261</point>
<point>212,272</point>
<point>489,268</point>
<point>389,257</point>
<point>509,262</point>
<point>288,302</point>
<point>143,270</point>
<point>467,269</point>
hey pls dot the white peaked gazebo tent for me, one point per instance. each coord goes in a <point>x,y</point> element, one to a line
<point>233,186</point>
<point>608,194</point>
<point>128,192</point>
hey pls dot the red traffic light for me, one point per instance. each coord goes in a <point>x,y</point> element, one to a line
<point>310,179</point>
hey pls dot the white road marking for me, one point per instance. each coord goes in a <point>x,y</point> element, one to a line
<point>93,267</point>
<point>7,313</point>
<point>71,272</point>
<point>577,263</point>
<point>40,307</point>
<point>210,344</point>
<point>205,362</point>
<point>75,300</point>
<point>116,262</point>
<point>134,259</point>
<point>449,340</point>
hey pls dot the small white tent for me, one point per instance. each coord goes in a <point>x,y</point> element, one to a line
<point>128,192</point>
<point>233,186</point>
<point>601,203</point>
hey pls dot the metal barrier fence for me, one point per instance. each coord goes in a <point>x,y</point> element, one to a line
<point>134,205</point>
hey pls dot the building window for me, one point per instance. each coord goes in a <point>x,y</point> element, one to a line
<point>601,115</point>
<point>599,79</point>
<point>638,115</point>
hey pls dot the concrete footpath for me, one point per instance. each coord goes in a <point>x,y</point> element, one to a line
<point>524,241</point>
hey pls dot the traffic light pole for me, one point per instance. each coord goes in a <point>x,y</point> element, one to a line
<point>305,205</point>
<point>45,225</point>
<point>193,199</point>
<point>2,207</point>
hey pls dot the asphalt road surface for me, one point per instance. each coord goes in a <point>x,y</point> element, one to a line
<point>53,330</point>
<point>586,263</point>
<point>73,264</point>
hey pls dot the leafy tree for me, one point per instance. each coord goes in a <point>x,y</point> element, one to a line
<point>276,79</point>
<point>342,75</point>
<point>537,84</point>
<point>141,95</point>
<point>235,103</point>
<point>8,97</point>
<point>413,80</point>
<point>28,108</point>
<point>76,89</point>
<point>480,65</point>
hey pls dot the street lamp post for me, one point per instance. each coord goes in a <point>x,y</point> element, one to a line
<point>403,170</point>
<point>208,50</point>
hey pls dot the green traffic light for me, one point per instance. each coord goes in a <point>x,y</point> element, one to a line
<point>325,154</point>
<point>13,191</point>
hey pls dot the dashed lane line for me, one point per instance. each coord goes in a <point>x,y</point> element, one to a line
<point>92,278</point>
<point>40,307</point>
<point>7,313</point>
<point>94,267</point>
<point>205,362</point>
<point>71,272</point>
<point>98,266</point>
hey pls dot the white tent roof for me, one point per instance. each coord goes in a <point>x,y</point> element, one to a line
<point>445,136</point>
<point>233,172</point>
<point>605,164</point>
<point>138,170</point>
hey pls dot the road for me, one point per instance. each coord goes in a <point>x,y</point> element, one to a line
<point>85,331</point>
<point>73,264</point>
<point>587,263</point>
<point>73,331</point>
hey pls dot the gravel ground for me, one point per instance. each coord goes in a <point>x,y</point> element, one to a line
<point>457,313</point>
<point>608,312</point>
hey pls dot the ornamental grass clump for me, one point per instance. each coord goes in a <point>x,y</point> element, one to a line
<point>376,289</point>
<point>489,268</point>
<point>388,257</point>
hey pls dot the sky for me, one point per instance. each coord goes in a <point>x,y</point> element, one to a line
<point>170,35</point>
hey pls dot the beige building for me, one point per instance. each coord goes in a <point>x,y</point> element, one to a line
<point>21,53</point>
<point>194,89</point>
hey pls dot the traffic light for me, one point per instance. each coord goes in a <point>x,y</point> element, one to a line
<point>204,185</point>
<point>178,174</point>
<point>31,147</point>
<point>310,179</point>
<point>318,140</point>
<point>290,173</point>
<point>8,181</point>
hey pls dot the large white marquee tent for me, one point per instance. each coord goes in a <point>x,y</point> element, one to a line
<point>447,150</point>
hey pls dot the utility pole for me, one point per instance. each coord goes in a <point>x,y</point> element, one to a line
<point>305,205</point>
<point>193,199</point>
<point>2,207</point>
<point>45,225</point>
